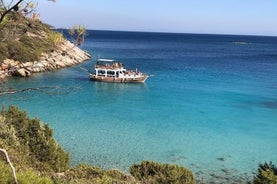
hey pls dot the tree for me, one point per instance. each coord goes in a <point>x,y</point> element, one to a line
<point>9,19</point>
<point>10,164</point>
<point>78,33</point>
<point>20,6</point>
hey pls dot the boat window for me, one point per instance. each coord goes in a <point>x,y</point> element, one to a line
<point>101,72</point>
<point>111,73</point>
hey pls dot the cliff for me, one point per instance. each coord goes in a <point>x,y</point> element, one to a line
<point>66,55</point>
<point>34,47</point>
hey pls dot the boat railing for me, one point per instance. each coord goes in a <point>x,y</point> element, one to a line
<point>108,67</point>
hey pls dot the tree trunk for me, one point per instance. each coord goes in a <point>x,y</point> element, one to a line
<point>10,163</point>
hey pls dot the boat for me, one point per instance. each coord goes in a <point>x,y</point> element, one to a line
<point>108,70</point>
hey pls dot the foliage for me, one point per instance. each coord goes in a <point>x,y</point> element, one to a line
<point>55,38</point>
<point>78,33</point>
<point>24,177</point>
<point>267,174</point>
<point>152,172</point>
<point>19,52</point>
<point>38,139</point>
<point>4,22</point>
<point>89,174</point>
<point>31,177</point>
<point>3,51</point>
<point>6,173</point>
<point>37,157</point>
<point>24,39</point>
<point>7,133</point>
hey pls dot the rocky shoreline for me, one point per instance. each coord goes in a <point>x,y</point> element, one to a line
<point>65,55</point>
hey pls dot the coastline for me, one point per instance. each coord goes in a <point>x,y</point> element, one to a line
<point>222,160</point>
<point>67,54</point>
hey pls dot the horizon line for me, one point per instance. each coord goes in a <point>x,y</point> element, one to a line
<point>165,32</point>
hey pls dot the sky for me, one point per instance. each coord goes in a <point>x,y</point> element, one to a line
<point>243,17</point>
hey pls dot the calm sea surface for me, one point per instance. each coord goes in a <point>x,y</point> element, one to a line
<point>211,104</point>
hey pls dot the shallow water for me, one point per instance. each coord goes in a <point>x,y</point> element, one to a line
<point>210,104</point>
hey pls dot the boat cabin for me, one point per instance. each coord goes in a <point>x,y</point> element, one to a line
<point>109,68</point>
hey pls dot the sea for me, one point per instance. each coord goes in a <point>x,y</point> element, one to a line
<point>210,103</point>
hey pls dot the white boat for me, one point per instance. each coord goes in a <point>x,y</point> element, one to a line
<point>108,70</point>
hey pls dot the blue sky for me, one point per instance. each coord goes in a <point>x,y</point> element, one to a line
<point>248,17</point>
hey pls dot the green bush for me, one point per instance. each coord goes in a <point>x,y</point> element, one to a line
<point>3,52</point>
<point>36,44</point>
<point>19,52</point>
<point>84,171</point>
<point>89,174</point>
<point>30,177</point>
<point>28,41</point>
<point>23,177</point>
<point>7,133</point>
<point>152,172</point>
<point>267,174</point>
<point>26,48</point>
<point>5,173</point>
<point>36,138</point>
<point>37,27</point>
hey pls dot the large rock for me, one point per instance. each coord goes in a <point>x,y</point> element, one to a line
<point>22,72</point>
<point>66,55</point>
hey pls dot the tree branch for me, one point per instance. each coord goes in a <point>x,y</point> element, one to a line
<point>10,164</point>
<point>9,10</point>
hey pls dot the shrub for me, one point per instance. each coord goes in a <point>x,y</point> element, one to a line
<point>152,172</point>
<point>30,177</point>
<point>3,51</point>
<point>55,39</point>
<point>84,171</point>
<point>19,52</point>
<point>28,41</point>
<point>89,174</point>
<point>7,133</point>
<point>5,173</point>
<point>38,139</point>
<point>267,174</point>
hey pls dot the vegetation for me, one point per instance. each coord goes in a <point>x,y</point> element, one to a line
<point>88,174</point>
<point>37,158</point>
<point>151,172</point>
<point>78,32</point>
<point>267,174</point>
<point>24,39</point>
<point>55,39</point>
<point>30,142</point>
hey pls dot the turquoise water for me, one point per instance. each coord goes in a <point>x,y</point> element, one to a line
<point>211,104</point>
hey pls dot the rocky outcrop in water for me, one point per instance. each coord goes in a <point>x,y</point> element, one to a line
<point>66,55</point>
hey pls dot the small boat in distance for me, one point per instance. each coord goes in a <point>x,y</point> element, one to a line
<point>108,70</point>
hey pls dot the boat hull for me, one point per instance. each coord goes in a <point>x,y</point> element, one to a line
<point>139,79</point>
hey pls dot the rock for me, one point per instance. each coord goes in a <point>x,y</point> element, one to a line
<point>226,171</point>
<point>22,72</point>
<point>65,56</point>
<point>221,159</point>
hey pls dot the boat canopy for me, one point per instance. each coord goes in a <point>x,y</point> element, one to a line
<point>106,60</point>
<point>109,64</point>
